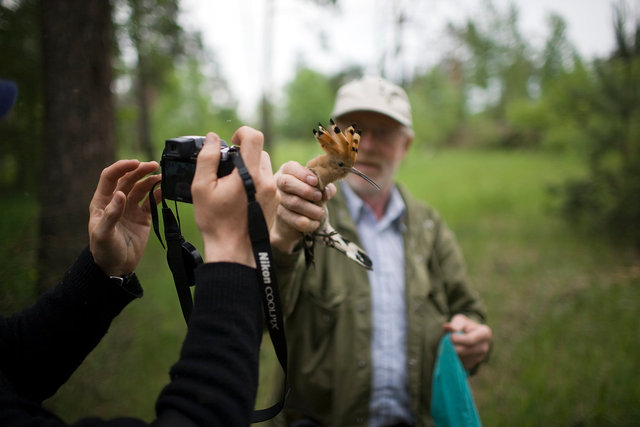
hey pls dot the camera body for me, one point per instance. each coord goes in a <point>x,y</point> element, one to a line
<point>178,165</point>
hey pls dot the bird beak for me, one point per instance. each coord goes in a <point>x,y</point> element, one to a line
<point>365,177</point>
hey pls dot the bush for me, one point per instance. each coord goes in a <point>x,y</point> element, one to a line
<point>606,201</point>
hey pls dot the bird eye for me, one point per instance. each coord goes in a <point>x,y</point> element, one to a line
<point>341,164</point>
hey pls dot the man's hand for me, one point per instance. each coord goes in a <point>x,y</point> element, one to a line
<point>473,343</point>
<point>220,204</point>
<point>299,210</point>
<point>118,222</point>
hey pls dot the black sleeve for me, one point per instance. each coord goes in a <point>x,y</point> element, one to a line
<point>45,343</point>
<point>216,379</point>
<point>214,383</point>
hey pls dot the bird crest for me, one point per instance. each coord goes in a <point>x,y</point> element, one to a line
<point>341,151</point>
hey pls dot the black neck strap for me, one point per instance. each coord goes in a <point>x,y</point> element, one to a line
<point>272,308</point>
<point>183,258</point>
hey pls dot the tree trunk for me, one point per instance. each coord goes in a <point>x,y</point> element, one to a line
<point>144,109</point>
<point>266,121</point>
<point>142,87</point>
<point>79,128</point>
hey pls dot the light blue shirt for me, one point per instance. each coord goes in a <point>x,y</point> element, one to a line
<point>390,402</point>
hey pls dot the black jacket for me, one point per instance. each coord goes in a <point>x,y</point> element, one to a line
<point>213,383</point>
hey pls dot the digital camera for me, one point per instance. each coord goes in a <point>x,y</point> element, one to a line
<point>178,165</point>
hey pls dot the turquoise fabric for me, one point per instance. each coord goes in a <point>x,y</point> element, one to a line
<point>452,403</point>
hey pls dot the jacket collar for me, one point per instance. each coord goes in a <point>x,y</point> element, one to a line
<point>394,214</point>
<point>341,219</point>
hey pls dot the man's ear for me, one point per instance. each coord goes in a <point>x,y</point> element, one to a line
<point>408,141</point>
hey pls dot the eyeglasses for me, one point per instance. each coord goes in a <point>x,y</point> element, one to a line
<point>383,135</point>
<point>380,134</point>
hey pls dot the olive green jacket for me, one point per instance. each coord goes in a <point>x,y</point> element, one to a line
<point>328,317</point>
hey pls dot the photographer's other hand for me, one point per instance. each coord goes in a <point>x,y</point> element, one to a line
<point>299,210</point>
<point>472,340</point>
<point>259,164</point>
<point>119,220</point>
<point>220,204</point>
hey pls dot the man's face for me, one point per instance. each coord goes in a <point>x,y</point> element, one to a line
<point>383,144</point>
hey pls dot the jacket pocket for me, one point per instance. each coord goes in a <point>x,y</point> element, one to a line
<point>322,321</point>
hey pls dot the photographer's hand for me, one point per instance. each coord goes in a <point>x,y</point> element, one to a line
<point>118,222</point>
<point>220,204</point>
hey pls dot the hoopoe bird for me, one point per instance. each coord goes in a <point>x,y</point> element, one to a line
<point>341,150</point>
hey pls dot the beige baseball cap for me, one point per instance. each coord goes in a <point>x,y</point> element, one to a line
<point>373,94</point>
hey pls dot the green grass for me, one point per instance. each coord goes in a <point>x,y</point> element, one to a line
<point>563,305</point>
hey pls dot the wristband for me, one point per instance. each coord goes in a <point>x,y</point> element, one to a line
<point>122,280</point>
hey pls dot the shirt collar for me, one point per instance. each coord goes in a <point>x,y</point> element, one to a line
<point>393,214</point>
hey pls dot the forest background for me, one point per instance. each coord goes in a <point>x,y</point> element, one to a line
<point>530,153</point>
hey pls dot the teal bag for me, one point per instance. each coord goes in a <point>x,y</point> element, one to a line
<point>452,402</point>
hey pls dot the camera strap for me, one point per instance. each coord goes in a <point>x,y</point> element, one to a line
<point>272,308</point>
<point>183,258</point>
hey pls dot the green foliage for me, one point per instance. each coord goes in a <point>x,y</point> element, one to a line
<point>193,104</point>
<point>167,92</point>
<point>190,103</point>
<point>516,95</point>
<point>609,114</point>
<point>149,31</point>
<point>558,54</point>
<point>499,58</point>
<point>606,202</point>
<point>437,99</point>
<point>564,108</point>
<point>528,119</point>
<point>151,28</point>
<point>309,99</point>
